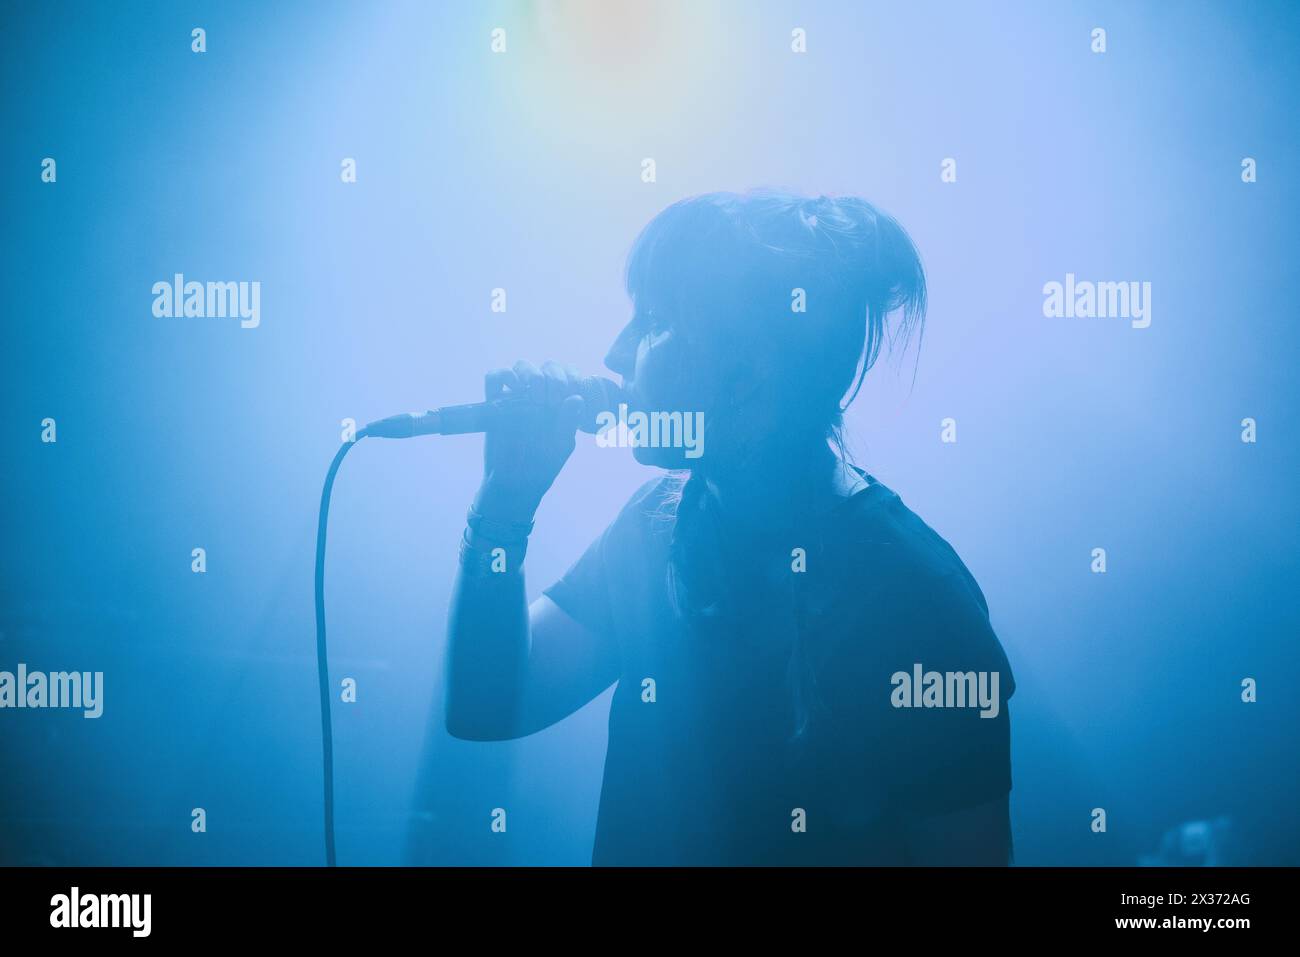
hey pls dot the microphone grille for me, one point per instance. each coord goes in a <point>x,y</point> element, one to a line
<point>598,395</point>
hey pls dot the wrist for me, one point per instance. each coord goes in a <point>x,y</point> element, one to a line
<point>479,559</point>
<point>508,506</point>
<point>496,531</point>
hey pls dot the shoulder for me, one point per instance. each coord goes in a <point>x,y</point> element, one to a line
<point>652,505</point>
<point>645,519</point>
<point>926,603</point>
<point>655,493</point>
<point>880,529</point>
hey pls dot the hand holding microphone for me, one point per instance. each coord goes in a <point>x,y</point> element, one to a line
<point>524,451</point>
<point>530,416</point>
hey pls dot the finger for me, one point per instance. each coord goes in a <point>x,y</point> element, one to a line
<point>530,379</point>
<point>496,382</point>
<point>558,387</point>
<point>575,378</point>
<point>570,418</point>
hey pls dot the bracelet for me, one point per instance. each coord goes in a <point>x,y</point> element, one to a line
<point>502,533</point>
<point>498,560</point>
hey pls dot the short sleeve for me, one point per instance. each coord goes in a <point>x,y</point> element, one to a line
<point>962,760</point>
<point>586,591</point>
<point>951,727</point>
<point>582,592</point>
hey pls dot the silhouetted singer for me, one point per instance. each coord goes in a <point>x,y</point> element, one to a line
<point>757,604</point>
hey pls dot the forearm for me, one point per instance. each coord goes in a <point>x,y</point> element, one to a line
<point>488,631</point>
<point>487,638</point>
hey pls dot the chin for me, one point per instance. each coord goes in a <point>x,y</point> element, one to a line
<point>661,458</point>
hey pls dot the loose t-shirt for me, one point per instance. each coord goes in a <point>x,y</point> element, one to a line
<point>703,766</point>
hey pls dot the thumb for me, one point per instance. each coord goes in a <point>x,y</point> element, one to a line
<point>570,416</point>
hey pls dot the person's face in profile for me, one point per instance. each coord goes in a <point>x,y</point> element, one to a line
<point>654,361</point>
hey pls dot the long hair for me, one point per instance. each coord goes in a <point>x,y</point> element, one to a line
<point>791,295</point>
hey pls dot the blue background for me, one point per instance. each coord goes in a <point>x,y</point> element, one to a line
<point>522,171</point>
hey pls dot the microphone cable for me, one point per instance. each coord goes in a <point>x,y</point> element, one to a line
<point>450,420</point>
<point>322,658</point>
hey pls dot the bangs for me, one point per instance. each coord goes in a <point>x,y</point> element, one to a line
<point>677,258</point>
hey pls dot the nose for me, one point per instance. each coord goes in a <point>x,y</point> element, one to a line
<point>621,357</point>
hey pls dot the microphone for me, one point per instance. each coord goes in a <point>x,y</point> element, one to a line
<point>598,395</point>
